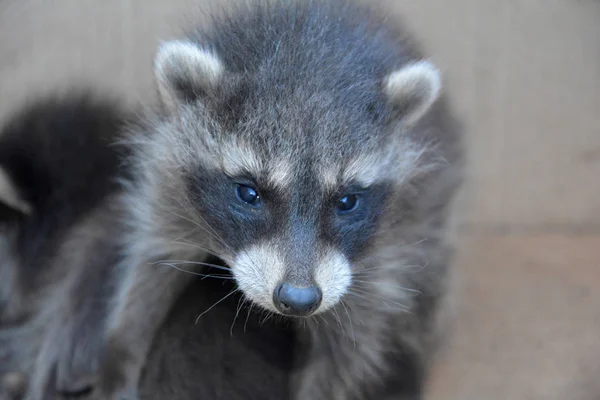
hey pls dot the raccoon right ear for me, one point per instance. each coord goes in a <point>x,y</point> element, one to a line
<point>11,203</point>
<point>413,89</point>
<point>184,72</point>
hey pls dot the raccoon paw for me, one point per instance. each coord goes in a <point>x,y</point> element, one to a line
<point>67,367</point>
<point>76,390</point>
<point>73,382</point>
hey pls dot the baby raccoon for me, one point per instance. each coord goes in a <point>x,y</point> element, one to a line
<point>53,243</point>
<point>307,145</point>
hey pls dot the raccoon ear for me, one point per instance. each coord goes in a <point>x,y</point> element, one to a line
<point>413,89</point>
<point>184,72</point>
<point>10,198</point>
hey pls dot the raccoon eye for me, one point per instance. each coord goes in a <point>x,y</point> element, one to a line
<point>247,194</point>
<point>347,203</point>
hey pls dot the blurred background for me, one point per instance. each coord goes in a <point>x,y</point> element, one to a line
<point>525,77</point>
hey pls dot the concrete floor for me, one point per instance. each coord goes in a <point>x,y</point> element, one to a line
<point>525,78</point>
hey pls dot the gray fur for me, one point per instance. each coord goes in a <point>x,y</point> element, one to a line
<point>54,300</point>
<point>305,85</point>
<point>56,258</point>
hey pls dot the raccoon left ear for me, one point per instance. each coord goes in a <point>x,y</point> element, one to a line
<point>413,89</point>
<point>184,71</point>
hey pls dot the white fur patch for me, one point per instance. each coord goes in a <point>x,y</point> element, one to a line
<point>366,169</point>
<point>280,173</point>
<point>333,276</point>
<point>328,176</point>
<point>398,162</point>
<point>413,89</point>
<point>258,271</point>
<point>238,159</point>
<point>180,62</point>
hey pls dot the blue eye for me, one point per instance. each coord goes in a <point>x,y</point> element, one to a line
<point>247,194</point>
<point>347,203</point>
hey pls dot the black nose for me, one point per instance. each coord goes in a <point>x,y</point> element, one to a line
<point>296,301</point>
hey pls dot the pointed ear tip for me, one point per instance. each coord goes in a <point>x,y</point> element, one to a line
<point>167,49</point>
<point>428,71</point>
<point>421,73</point>
<point>176,49</point>
<point>186,52</point>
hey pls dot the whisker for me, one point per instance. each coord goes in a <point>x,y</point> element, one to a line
<point>226,277</point>
<point>323,319</point>
<point>338,320</point>
<point>195,245</point>
<point>389,284</point>
<point>381,301</point>
<point>380,267</point>
<point>177,262</point>
<point>207,229</point>
<point>241,303</point>
<point>343,303</point>
<point>214,305</point>
<point>261,317</point>
<point>269,315</point>
<point>248,315</point>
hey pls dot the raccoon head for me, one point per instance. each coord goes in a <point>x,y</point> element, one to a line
<point>289,179</point>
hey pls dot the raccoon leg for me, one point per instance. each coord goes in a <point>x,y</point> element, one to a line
<point>68,358</point>
<point>142,305</point>
<point>19,347</point>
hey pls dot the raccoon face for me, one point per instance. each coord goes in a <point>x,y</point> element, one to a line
<point>291,243</point>
<point>290,183</point>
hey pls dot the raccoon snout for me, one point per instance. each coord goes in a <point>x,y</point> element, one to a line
<point>297,301</point>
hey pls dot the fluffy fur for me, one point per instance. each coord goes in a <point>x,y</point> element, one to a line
<point>57,273</point>
<point>349,106</point>
<point>55,252</point>
<point>42,143</point>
